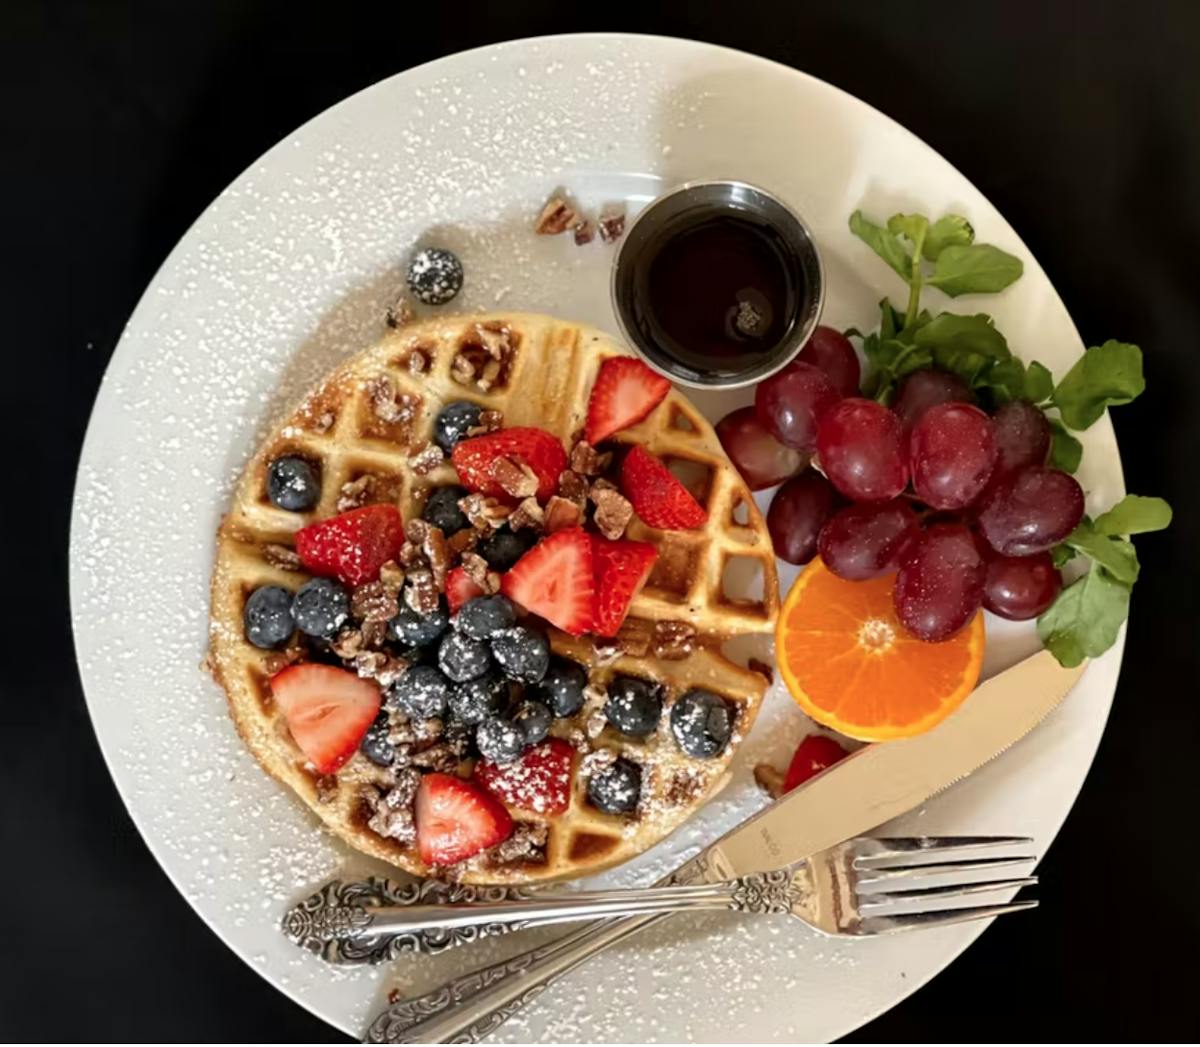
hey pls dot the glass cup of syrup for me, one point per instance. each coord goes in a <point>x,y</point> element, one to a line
<point>717,284</point>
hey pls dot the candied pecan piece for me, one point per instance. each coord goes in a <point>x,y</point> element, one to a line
<point>527,843</point>
<point>356,493</point>
<point>634,637</point>
<point>528,514</point>
<point>557,216</point>
<point>420,591</point>
<point>587,460</point>
<point>327,787</point>
<point>349,642</point>
<point>392,576</point>
<point>561,513</point>
<point>485,514</point>
<point>585,231</point>
<point>417,361</point>
<point>374,602</point>
<point>393,816</point>
<point>461,542</point>
<point>495,338</point>
<point>611,222</point>
<point>489,422</point>
<point>426,459</point>
<point>281,556</point>
<point>674,640</point>
<point>390,405</point>
<point>573,487</point>
<point>613,510</point>
<point>514,476</point>
<point>410,555</point>
<point>462,370</point>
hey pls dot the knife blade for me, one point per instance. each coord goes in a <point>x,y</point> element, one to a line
<point>882,781</point>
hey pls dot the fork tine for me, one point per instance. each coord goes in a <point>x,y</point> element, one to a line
<point>953,890</point>
<point>877,849</point>
<point>938,918</point>
<point>876,876</point>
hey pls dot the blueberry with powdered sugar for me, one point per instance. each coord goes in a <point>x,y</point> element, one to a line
<point>522,652</point>
<point>292,484</point>
<point>504,548</point>
<point>617,788</point>
<point>534,720</point>
<point>453,422</point>
<point>561,689</point>
<point>375,745</point>
<point>702,723</point>
<point>268,617</point>
<point>419,630</point>
<point>462,658</point>
<point>473,701</point>
<point>499,741</point>
<point>321,607</point>
<point>634,706</point>
<point>435,275</point>
<point>441,509</point>
<point>421,693</point>
<point>481,617</point>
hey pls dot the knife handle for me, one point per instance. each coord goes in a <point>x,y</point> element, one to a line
<point>471,1006</point>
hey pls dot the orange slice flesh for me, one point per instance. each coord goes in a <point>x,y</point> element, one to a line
<point>852,666</point>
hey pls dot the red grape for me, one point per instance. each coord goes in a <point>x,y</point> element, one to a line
<point>864,541</point>
<point>792,402</point>
<point>797,512</point>
<point>1020,587</point>
<point>939,586</point>
<point>951,452</point>
<point>922,390</point>
<point>1022,436</point>
<point>761,459</point>
<point>1030,511</point>
<point>831,351</point>
<point>861,450</point>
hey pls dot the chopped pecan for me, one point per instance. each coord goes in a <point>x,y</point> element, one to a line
<point>438,757</point>
<point>324,422</point>
<point>760,667</point>
<point>392,576</point>
<point>514,476</point>
<point>393,816</point>
<point>597,761</point>
<point>401,311</point>
<point>561,513</point>
<point>769,780</point>
<point>528,514</point>
<point>489,374</point>
<point>417,362</point>
<point>326,786</point>
<point>611,222</point>
<point>421,592</point>
<point>390,405</point>
<point>462,370</point>
<point>573,487</point>
<point>383,668</point>
<point>634,637</point>
<point>496,339</point>
<point>429,731</point>
<point>585,231</point>
<point>281,556</point>
<point>462,541</point>
<point>277,661</point>
<point>606,650</point>
<point>410,555</point>
<point>613,510</point>
<point>476,568</point>
<point>356,493</point>
<point>557,216</point>
<point>684,786</point>
<point>587,460</point>
<point>673,640</point>
<point>426,459</point>
<point>349,642</point>
<point>432,543</point>
<point>374,602</point>
<point>374,633</point>
<point>526,844</point>
<point>485,514</point>
<point>489,422</point>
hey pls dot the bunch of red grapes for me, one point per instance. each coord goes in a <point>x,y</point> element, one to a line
<point>959,503</point>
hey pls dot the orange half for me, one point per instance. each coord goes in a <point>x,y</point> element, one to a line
<point>852,666</point>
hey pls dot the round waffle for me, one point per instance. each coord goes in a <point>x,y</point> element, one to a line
<point>536,371</point>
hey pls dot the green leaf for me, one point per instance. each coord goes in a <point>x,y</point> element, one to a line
<point>1105,376</point>
<point>1084,620</point>
<point>974,269</point>
<point>955,334</point>
<point>889,320</point>
<point>1115,555</point>
<point>951,230</point>
<point>1039,383</point>
<point>915,359</point>
<point>1005,379</point>
<point>1135,514</point>
<point>912,226</point>
<point>1061,555</point>
<point>1065,451</point>
<point>883,243</point>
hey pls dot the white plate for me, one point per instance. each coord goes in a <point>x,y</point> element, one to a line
<point>287,272</point>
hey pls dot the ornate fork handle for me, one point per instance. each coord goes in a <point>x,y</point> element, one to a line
<point>368,922</point>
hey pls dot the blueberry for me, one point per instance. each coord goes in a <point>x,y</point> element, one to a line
<point>321,607</point>
<point>441,509</point>
<point>504,548</point>
<point>473,701</point>
<point>453,421</point>
<point>435,275</point>
<point>634,706</point>
<point>522,652</point>
<point>534,719</point>
<point>268,617</point>
<point>499,740</point>
<point>702,723</point>
<point>617,788</point>
<point>484,615</point>
<point>375,745</point>
<point>421,693</point>
<point>292,484</point>
<point>462,658</point>
<point>419,630</point>
<point>562,687</point>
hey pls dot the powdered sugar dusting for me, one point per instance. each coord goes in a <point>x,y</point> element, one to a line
<point>292,269</point>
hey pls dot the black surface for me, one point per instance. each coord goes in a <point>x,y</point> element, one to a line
<point>122,121</point>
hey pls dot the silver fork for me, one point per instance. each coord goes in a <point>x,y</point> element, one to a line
<point>854,889</point>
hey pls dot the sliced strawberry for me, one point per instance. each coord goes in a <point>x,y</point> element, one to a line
<point>540,781</point>
<point>538,449</point>
<point>658,497</point>
<point>460,589</point>
<point>554,579</point>
<point>328,711</point>
<point>813,755</point>
<point>626,390</point>
<point>456,819</point>
<point>620,569</point>
<point>352,546</point>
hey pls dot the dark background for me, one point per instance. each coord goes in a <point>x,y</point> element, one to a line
<point>121,122</point>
